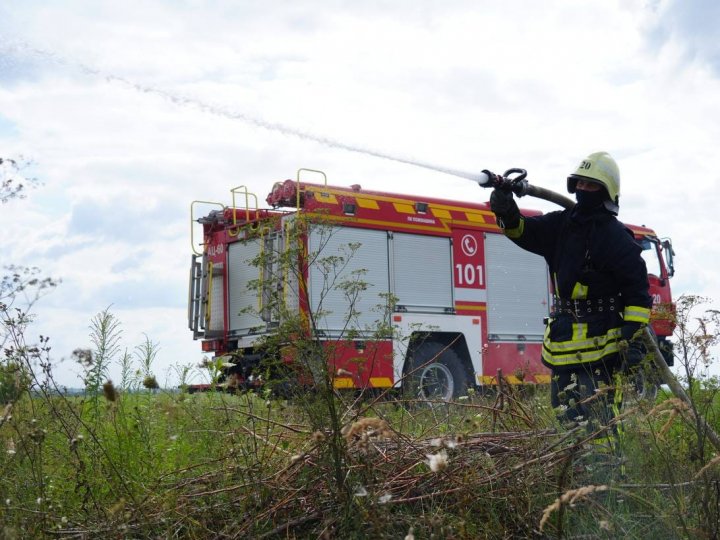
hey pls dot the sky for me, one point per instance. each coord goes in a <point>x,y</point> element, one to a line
<point>132,110</point>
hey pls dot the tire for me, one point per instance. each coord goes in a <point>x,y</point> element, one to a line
<point>434,373</point>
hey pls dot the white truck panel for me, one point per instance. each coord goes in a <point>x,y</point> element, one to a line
<point>335,263</point>
<point>244,302</point>
<point>410,323</point>
<point>518,295</point>
<point>422,272</point>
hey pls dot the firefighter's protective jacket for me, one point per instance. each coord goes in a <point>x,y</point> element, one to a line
<point>599,279</point>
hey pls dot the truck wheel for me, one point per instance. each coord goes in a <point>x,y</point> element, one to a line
<point>434,374</point>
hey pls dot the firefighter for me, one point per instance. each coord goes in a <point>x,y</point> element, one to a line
<point>600,291</point>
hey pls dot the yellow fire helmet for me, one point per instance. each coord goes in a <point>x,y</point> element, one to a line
<point>600,168</point>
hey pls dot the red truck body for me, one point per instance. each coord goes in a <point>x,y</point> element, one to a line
<point>477,301</point>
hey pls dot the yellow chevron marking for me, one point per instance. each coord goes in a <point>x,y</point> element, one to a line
<point>368,203</point>
<point>404,208</point>
<point>343,382</point>
<point>375,382</point>
<point>467,307</point>
<point>326,197</point>
<point>397,200</point>
<point>475,218</point>
<point>512,379</point>
<point>441,226</point>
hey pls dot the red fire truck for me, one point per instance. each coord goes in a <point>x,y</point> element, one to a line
<point>460,303</point>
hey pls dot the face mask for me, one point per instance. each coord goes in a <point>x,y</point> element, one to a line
<point>588,200</point>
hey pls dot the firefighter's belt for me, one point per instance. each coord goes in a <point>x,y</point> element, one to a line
<point>587,306</point>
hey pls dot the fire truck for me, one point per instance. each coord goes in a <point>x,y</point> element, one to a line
<point>421,294</point>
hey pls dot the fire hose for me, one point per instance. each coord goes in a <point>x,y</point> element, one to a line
<point>515,180</point>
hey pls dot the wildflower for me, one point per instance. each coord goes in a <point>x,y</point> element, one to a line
<point>39,501</point>
<point>436,442</point>
<point>76,440</point>
<point>384,498</point>
<point>150,382</point>
<point>360,492</point>
<point>83,357</point>
<point>64,520</point>
<point>438,462</point>
<point>109,391</point>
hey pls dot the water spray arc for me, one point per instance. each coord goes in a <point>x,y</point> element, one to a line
<point>484,179</point>
<point>224,112</point>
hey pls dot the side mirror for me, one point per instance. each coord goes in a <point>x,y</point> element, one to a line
<point>669,253</point>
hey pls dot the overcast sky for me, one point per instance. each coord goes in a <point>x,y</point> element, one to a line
<point>131,110</point>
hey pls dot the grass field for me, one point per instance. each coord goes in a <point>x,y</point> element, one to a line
<point>174,465</point>
<point>140,462</point>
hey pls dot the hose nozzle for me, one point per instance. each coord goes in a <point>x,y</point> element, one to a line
<point>512,180</point>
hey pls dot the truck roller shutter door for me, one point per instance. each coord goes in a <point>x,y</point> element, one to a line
<point>244,302</point>
<point>422,272</point>
<point>368,263</point>
<point>517,290</point>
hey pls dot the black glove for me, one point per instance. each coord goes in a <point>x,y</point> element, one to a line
<point>633,356</point>
<point>505,208</point>
<point>634,351</point>
<point>629,329</point>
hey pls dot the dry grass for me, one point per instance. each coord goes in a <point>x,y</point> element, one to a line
<point>569,498</point>
<point>385,470</point>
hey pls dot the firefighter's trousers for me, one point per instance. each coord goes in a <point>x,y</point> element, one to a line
<point>591,394</point>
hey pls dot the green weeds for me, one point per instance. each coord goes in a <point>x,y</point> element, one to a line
<point>219,464</point>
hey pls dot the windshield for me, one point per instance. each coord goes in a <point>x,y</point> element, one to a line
<point>650,255</point>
